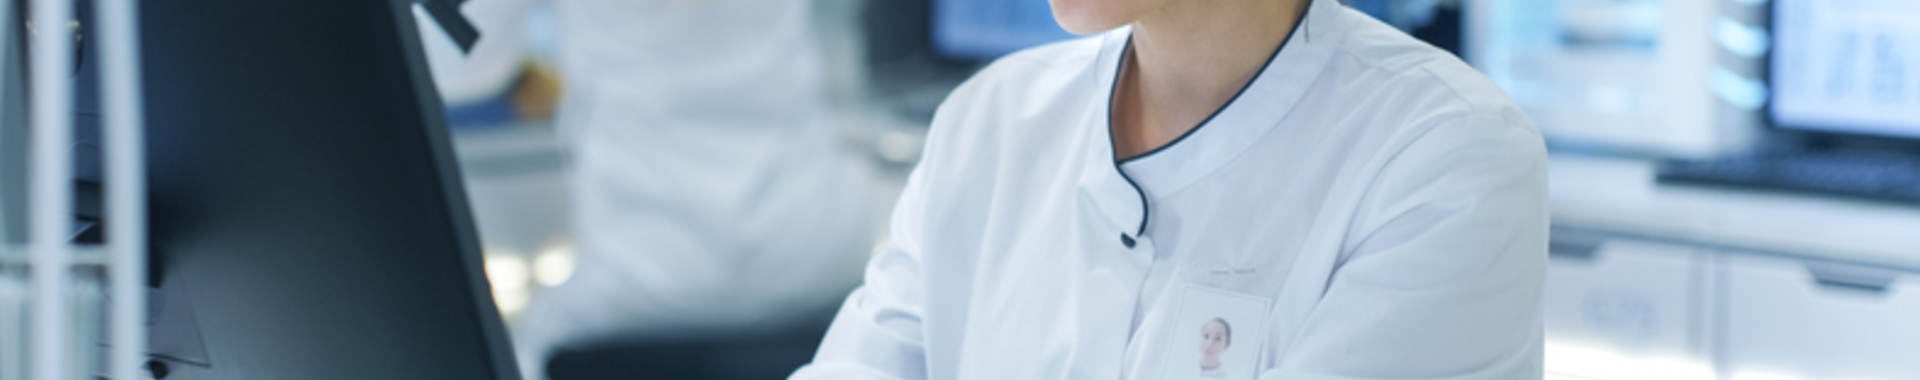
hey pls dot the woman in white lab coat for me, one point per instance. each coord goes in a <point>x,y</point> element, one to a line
<point>1357,204</point>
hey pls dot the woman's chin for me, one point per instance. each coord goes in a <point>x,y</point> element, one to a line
<point>1086,16</point>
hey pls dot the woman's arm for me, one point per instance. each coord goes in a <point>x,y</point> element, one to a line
<point>877,334</point>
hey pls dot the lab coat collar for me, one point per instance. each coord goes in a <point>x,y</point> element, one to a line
<point>1123,195</point>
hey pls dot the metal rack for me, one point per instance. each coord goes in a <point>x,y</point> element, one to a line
<point>55,346</point>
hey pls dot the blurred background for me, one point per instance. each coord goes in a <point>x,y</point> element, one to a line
<point>688,188</point>
<point>1736,193</point>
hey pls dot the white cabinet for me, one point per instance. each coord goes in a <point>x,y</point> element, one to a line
<point>1793,319</point>
<point>1623,309</point>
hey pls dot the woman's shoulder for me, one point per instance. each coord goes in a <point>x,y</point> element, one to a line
<point>1409,90</point>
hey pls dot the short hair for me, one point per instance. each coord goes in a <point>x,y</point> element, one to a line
<point>1228,326</point>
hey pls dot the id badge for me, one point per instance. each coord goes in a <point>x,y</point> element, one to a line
<point>1214,334</point>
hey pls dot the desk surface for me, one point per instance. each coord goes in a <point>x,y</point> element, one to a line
<point>1618,195</point>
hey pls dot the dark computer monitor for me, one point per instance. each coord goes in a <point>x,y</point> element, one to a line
<point>1846,67</point>
<point>13,137</point>
<point>306,214</point>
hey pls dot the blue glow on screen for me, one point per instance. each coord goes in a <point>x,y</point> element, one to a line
<point>987,29</point>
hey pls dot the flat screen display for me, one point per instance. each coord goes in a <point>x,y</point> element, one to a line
<point>1848,66</point>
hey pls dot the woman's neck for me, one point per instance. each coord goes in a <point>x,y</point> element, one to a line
<point>1209,364</point>
<point>1187,60</point>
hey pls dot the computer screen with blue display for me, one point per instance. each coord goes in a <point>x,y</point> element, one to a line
<point>987,29</point>
<point>1848,67</point>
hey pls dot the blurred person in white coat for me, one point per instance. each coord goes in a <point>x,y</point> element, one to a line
<point>1354,203</point>
<point>710,195</point>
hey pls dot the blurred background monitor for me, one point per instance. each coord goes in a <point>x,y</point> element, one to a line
<point>1847,67</point>
<point>918,50</point>
<point>1842,102</point>
<point>1641,77</point>
<point>980,30</point>
<point>986,29</point>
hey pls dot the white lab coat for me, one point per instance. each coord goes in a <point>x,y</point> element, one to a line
<point>1388,200</point>
<point>710,194</point>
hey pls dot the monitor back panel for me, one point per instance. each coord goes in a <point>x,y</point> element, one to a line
<point>304,204</point>
<point>13,130</point>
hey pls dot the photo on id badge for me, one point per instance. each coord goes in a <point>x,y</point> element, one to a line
<point>1214,334</point>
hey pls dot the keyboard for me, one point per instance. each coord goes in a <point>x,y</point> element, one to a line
<point>1876,176</point>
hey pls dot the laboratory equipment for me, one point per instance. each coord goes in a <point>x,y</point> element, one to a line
<point>68,290</point>
<point>1882,176</point>
<point>1803,318</point>
<point>1842,107</point>
<point>1850,67</point>
<point>1631,76</point>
